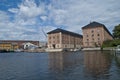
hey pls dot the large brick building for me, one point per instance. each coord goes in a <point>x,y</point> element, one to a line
<point>60,39</point>
<point>94,34</point>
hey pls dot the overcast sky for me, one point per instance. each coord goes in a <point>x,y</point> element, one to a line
<point>27,19</point>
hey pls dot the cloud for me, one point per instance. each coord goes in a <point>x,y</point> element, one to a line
<point>44,18</point>
<point>29,18</point>
<point>30,9</point>
<point>13,10</point>
<point>3,16</point>
<point>25,21</point>
<point>78,13</point>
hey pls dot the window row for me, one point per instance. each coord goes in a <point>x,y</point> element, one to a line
<point>93,39</point>
<point>53,37</point>
<point>93,35</point>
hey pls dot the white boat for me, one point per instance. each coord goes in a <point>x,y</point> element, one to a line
<point>18,50</point>
<point>118,49</point>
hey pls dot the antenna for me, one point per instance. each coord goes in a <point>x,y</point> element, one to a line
<point>44,33</point>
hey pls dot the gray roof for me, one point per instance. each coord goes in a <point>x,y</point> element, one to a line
<point>65,32</point>
<point>93,24</point>
<point>96,24</point>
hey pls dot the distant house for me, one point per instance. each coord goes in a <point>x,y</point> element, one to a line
<point>94,34</point>
<point>42,44</point>
<point>60,39</point>
<point>8,46</point>
<point>29,45</point>
<point>20,42</point>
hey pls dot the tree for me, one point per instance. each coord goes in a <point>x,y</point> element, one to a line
<point>116,32</point>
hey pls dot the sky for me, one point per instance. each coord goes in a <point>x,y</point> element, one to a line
<point>32,19</point>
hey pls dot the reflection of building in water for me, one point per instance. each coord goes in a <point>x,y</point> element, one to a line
<point>59,61</point>
<point>117,59</point>
<point>96,62</point>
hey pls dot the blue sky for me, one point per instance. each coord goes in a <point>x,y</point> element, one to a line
<point>26,19</point>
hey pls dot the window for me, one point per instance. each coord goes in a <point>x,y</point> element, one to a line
<point>49,37</point>
<point>98,38</point>
<point>87,39</point>
<point>58,41</point>
<point>98,34</point>
<point>53,37</point>
<point>65,46</point>
<point>88,44</point>
<point>92,31</point>
<point>92,35</point>
<point>87,35</point>
<point>53,41</point>
<point>93,39</point>
<point>57,36</point>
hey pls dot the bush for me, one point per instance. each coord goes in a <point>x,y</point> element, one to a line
<point>111,43</point>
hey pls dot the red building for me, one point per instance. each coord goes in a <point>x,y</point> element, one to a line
<point>94,34</point>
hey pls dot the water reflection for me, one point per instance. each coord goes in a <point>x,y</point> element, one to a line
<point>61,60</point>
<point>117,59</point>
<point>97,63</point>
<point>87,65</point>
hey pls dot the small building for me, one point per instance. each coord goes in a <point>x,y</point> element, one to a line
<point>63,39</point>
<point>42,44</point>
<point>29,46</point>
<point>94,34</point>
<point>8,46</point>
<point>20,42</point>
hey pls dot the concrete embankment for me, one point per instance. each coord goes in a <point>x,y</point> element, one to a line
<point>109,48</point>
<point>98,48</point>
<point>85,49</point>
<point>35,50</point>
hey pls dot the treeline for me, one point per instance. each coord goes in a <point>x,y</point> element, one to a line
<point>111,43</point>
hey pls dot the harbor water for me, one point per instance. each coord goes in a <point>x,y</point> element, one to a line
<point>82,65</point>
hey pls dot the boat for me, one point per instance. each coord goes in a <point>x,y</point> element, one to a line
<point>18,50</point>
<point>118,49</point>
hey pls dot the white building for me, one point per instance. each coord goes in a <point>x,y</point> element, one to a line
<point>29,45</point>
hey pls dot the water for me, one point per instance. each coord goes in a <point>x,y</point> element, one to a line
<point>87,65</point>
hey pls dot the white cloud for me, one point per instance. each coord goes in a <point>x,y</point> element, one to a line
<point>3,16</point>
<point>29,18</point>
<point>81,12</point>
<point>13,10</point>
<point>44,18</point>
<point>29,9</point>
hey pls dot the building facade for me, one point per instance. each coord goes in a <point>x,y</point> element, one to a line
<point>94,34</point>
<point>8,46</point>
<point>20,43</point>
<point>61,39</point>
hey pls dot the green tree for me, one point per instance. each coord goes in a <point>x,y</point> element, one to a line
<point>116,32</point>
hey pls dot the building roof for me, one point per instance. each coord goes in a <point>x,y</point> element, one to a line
<point>96,24</point>
<point>65,32</point>
<point>92,25</point>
